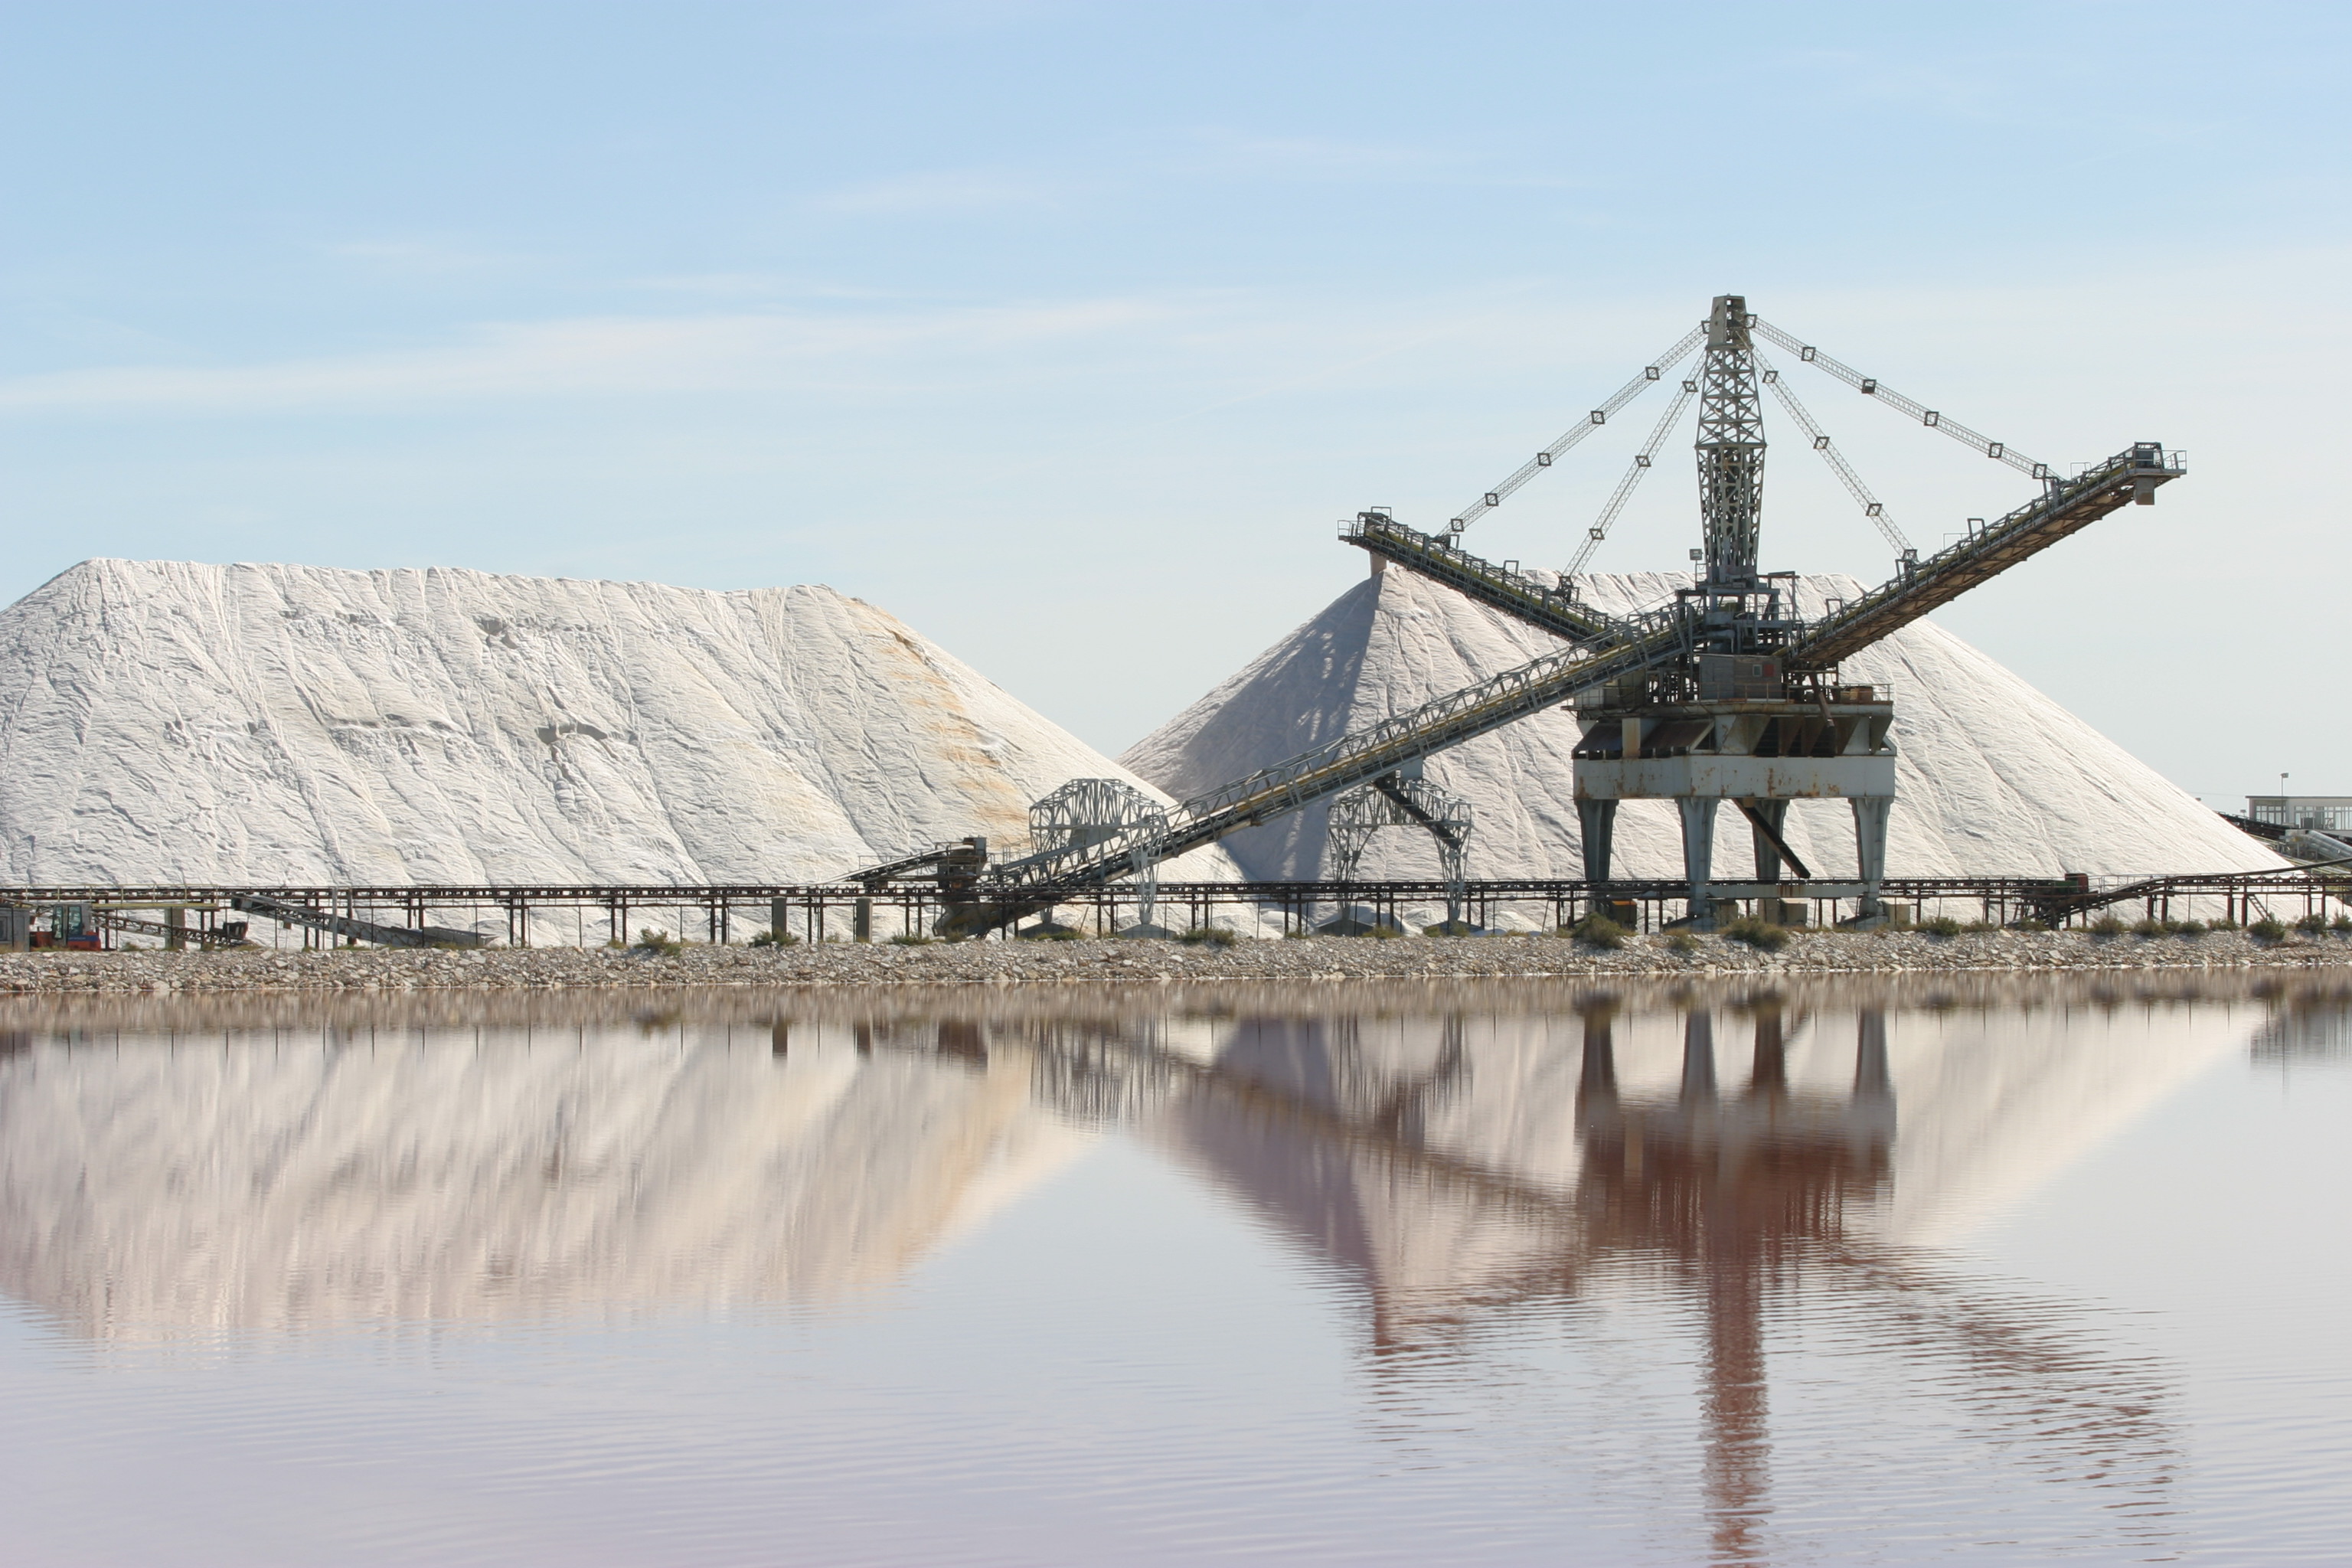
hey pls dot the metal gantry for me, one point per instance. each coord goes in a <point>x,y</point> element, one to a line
<point>1723,694</point>
<point>1402,799</point>
<point>815,912</point>
<point>1731,450</point>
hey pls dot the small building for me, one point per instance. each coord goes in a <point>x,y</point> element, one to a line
<point>2324,813</point>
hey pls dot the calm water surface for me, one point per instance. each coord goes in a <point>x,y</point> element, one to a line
<point>2000,1272</point>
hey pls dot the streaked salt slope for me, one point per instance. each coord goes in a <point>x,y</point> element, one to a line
<point>1994,778</point>
<point>164,720</point>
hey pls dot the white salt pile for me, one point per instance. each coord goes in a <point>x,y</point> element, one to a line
<point>162,720</point>
<point>1994,778</point>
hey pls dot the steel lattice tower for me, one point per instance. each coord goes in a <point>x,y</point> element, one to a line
<point>1730,447</point>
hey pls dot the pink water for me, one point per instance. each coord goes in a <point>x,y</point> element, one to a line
<point>1992,1272</point>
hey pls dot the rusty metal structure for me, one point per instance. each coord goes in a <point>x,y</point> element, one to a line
<point>1725,694</point>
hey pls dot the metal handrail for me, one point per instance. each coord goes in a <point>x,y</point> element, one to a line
<point>1553,607</point>
<point>2063,506</point>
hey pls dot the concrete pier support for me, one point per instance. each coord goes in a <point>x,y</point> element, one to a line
<point>1871,813</point>
<point>1698,852</point>
<point>1596,821</point>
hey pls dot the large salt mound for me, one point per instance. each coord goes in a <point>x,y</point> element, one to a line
<point>163,720</point>
<point>1994,778</point>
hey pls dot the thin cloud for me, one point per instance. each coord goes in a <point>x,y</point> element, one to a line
<point>1312,157</point>
<point>598,356</point>
<point>418,257</point>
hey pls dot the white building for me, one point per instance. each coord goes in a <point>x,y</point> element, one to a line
<point>2325,812</point>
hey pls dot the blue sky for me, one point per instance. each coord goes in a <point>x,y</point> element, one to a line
<point>1065,332</point>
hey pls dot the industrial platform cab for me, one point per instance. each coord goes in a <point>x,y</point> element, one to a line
<point>1774,742</point>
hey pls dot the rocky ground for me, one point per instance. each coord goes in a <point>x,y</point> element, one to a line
<point>1001,963</point>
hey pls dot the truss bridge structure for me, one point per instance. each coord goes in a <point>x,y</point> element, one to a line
<point>1727,693</point>
<point>1404,799</point>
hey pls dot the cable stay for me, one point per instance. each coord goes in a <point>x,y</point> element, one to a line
<point>1655,371</point>
<point>1870,386</point>
<point>1640,466</point>
<point>1871,506</point>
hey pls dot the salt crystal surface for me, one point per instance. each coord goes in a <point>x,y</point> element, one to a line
<point>166,720</point>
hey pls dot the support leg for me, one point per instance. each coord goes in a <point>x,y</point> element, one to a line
<point>1698,852</point>
<point>1775,814</point>
<point>1597,822</point>
<point>1870,817</point>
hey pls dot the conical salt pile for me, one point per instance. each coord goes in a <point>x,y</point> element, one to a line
<point>1993,778</point>
<point>163,720</point>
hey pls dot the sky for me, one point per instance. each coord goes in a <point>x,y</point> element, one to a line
<point>1067,331</point>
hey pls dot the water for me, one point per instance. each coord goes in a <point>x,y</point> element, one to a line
<point>1962,1272</point>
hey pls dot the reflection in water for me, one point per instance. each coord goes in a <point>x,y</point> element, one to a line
<point>296,1177</point>
<point>1341,1128</point>
<point>1468,1156</point>
<point>2311,1022</point>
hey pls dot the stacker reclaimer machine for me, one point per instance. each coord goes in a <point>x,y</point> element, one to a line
<point>1726,693</point>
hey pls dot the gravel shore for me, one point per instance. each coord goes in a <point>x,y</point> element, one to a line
<point>1050,963</point>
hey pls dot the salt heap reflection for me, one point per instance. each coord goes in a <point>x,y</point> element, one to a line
<point>297,1174</point>
<point>1466,1157</point>
<point>1428,1157</point>
<point>269,1164</point>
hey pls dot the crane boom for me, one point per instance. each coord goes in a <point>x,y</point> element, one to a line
<point>2067,505</point>
<point>1501,586</point>
<point>1870,386</point>
<point>1597,418</point>
<point>1024,886</point>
